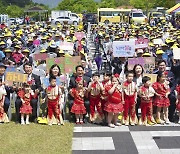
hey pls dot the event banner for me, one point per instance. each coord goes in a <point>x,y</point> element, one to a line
<point>123,48</point>
<point>66,64</point>
<point>141,43</point>
<point>40,56</point>
<point>148,63</point>
<point>15,79</point>
<point>152,76</point>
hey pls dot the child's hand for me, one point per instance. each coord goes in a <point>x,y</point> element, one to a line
<point>177,101</point>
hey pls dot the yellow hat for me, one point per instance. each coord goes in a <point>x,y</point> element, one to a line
<point>8,50</point>
<point>67,55</point>
<point>44,38</point>
<point>43,50</point>
<point>61,51</point>
<point>164,45</point>
<point>30,40</point>
<point>26,50</point>
<point>146,54</point>
<point>151,44</point>
<point>17,46</point>
<point>2,43</point>
<point>15,40</point>
<point>159,51</point>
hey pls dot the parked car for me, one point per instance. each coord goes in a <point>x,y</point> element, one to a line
<point>137,17</point>
<point>62,20</point>
<point>156,15</point>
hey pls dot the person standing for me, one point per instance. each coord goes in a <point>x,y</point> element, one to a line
<point>35,84</point>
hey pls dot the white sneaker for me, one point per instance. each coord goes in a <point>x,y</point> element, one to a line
<point>50,124</point>
<point>27,123</point>
<point>179,121</point>
<point>167,121</point>
<point>111,125</point>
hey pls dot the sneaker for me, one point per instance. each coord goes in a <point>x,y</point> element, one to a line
<point>179,122</point>
<point>111,125</point>
<point>159,121</point>
<point>167,121</point>
<point>117,124</point>
<point>81,121</point>
<point>127,123</point>
<point>132,124</point>
<point>50,124</point>
<point>27,123</point>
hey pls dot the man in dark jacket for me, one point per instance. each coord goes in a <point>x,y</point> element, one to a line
<point>72,84</point>
<point>35,83</point>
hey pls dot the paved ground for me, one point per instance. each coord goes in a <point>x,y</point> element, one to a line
<point>96,139</point>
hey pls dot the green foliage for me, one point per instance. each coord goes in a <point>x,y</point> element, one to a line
<point>78,6</point>
<point>20,3</point>
<point>14,11</point>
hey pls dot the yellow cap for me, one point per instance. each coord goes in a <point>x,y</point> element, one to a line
<point>43,50</point>
<point>8,50</point>
<point>146,54</point>
<point>67,55</point>
<point>26,50</point>
<point>2,43</point>
<point>158,52</point>
<point>61,51</point>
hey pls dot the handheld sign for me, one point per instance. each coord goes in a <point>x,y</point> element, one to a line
<point>146,62</point>
<point>123,48</point>
<point>46,82</point>
<point>79,35</point>
<point>15,79</point>
<point>40,56</point>
<point>176,53</point>
<point>66,46</point>
<point>141,43</point>
<point>152,76</point>
<point>66,64</point>
<point>157,41</point>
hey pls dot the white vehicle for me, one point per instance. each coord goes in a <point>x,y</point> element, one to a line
<point>12,20</point>
<point>16,21</point>
<point>137,17</point>
<point>19,21</point>
<point>73,16</point>
<point>62,20</point>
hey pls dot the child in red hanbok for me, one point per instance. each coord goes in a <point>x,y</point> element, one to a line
<point>95,89</point>
<point>114,104</point>
<point>146,93</point>
<point>26,95</point>
<point>161,100</point>
<point>78,94</point>
<point>3,116</point>
<point>178,100</point>
<point>105,82</point>
<point>53,97</point>
<point>130,96</point>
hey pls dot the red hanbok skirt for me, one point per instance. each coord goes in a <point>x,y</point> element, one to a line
<point>178,106</point>
<point>26,109</point>
<point>78,108</point>
<point>113,107</point>
<point>161,102</point>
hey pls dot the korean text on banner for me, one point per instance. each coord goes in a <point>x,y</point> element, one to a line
<point>123,48</point>
<point>14,78</point>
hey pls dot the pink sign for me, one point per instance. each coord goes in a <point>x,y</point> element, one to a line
<point>79,35</point>
<point>66,46</point>
<point>141,43</point>
<point>40,56</point>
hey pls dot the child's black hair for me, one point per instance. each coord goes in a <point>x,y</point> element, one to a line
<point>160,74</point>
<point>145,79</point>
<point>129,72</point>
<point>96,74</point>
<point>107,74</point>
<point>52,78</point>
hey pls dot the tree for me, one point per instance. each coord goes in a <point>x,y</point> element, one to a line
<point>122,3</point>
<point>107,4</point>
<point>78,6</point>
<point>2,7</point>
<point>14,11</point>
<point>20,3</point>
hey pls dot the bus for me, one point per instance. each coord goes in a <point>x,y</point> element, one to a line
<point>111,15</point>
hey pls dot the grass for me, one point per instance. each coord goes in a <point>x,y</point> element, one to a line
<point>35,139</point>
